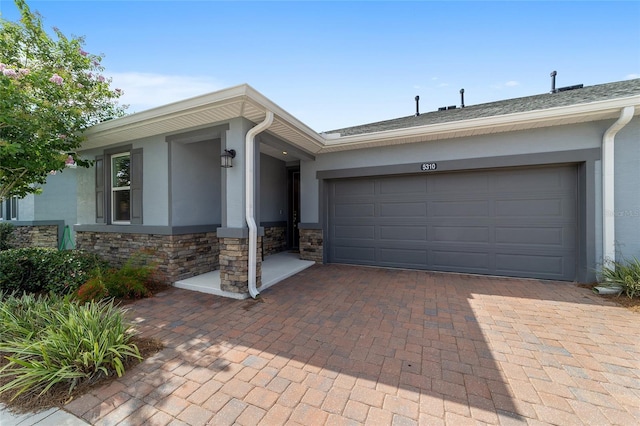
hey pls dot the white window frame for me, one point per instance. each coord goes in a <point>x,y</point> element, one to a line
<point>114,190</point>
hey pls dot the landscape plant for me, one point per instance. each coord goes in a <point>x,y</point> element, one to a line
<point>625,273</point>
<point>51,90</point>
<point>6,235</point>
<point>46,269</point>
<point>51,341</point>
<point>131,281</point>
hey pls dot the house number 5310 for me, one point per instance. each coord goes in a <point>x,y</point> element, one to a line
<point>428,166</point>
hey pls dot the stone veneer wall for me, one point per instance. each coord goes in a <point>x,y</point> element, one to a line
<point>311,244</point>
<point>177,256</point>
<point>234,264</point>
<point>274,240</point>
<point>35,236</point>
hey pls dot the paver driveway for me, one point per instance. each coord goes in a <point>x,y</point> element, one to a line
<point>349,345</point>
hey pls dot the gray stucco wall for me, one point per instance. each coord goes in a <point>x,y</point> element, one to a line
<point>234,177</point>
<point>26,208</point>
<point>59,196</point>
<point>627,192</point>
<point>273,189</point>
<point>195,183</point>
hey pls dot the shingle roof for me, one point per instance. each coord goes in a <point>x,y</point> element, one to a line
<point>600,92</point>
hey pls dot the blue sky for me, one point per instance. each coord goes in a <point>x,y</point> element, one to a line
<point>338,64</point>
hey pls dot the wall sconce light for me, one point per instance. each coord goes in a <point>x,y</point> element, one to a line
<point>226,157</point>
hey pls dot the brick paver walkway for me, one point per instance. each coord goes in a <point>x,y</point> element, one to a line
<point>350,345</point>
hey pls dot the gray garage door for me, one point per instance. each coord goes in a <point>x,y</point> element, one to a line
<point>511,222</point>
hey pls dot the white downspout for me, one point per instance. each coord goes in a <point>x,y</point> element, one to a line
<point>608,185</point>
<point>250,199</point>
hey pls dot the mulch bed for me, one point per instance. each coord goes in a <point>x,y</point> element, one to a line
<point>631,303</point>
<point>59,395</point>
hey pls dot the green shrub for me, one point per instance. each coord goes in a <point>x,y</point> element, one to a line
<point>20,269</point>
<point>55,341</point>
<point>625,274</point>
<point>6,235</point>
<point>68,269</point>
<point>46,269</point>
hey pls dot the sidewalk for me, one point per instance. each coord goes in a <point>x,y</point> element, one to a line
<point>52,416</point>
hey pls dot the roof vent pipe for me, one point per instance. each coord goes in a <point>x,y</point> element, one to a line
<point>417,106</point>
<point>553,81</point>
<point>461,98</point>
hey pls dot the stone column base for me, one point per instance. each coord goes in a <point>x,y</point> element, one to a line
<point>234,264</point>
<point>311,246</point>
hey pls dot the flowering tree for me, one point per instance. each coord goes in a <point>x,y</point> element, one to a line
<point>50,91</point>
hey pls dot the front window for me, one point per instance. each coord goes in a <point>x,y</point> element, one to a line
<point>9,209</point>
<point>121,188</point>
<point>13,209</point>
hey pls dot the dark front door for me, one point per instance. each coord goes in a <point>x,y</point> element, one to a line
<point>293,234</point>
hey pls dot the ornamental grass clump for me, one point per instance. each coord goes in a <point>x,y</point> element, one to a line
<point>51,341</point>
<point>625,274</point>
<point>132,281</point>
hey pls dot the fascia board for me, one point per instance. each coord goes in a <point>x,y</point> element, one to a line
<point>242,93</point>
<point>166,111</point>
<point>284,116</point>
<point>530,119</point>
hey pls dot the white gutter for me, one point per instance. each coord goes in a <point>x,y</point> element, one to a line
<point>608,185</point>
<point>250,199</point>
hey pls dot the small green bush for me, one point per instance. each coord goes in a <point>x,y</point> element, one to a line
<point>68,269</point>
<point>6,235</point>
<point>52,341</point>
<point>46,269</point>
<point>625,274</point>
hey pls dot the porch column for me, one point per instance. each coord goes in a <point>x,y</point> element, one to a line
<point>233,236</point>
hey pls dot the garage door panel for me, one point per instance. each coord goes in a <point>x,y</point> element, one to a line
<point>510,208</point>
<point>403,257</point>
<point>355,210</point>
<point>555,236</point>
<point>552,265</point>
<point>454,260</point>
<point>351,187</point>
<point>457,182</point>
<point>477,208</point>
<point>392,210</point>
<point>534,179</point>
<point>403,233</point>
<point>462,234</point>
<point>366,232</point>
<point>402,185</point>
<point>346,254</point>
<point>515,222</point>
